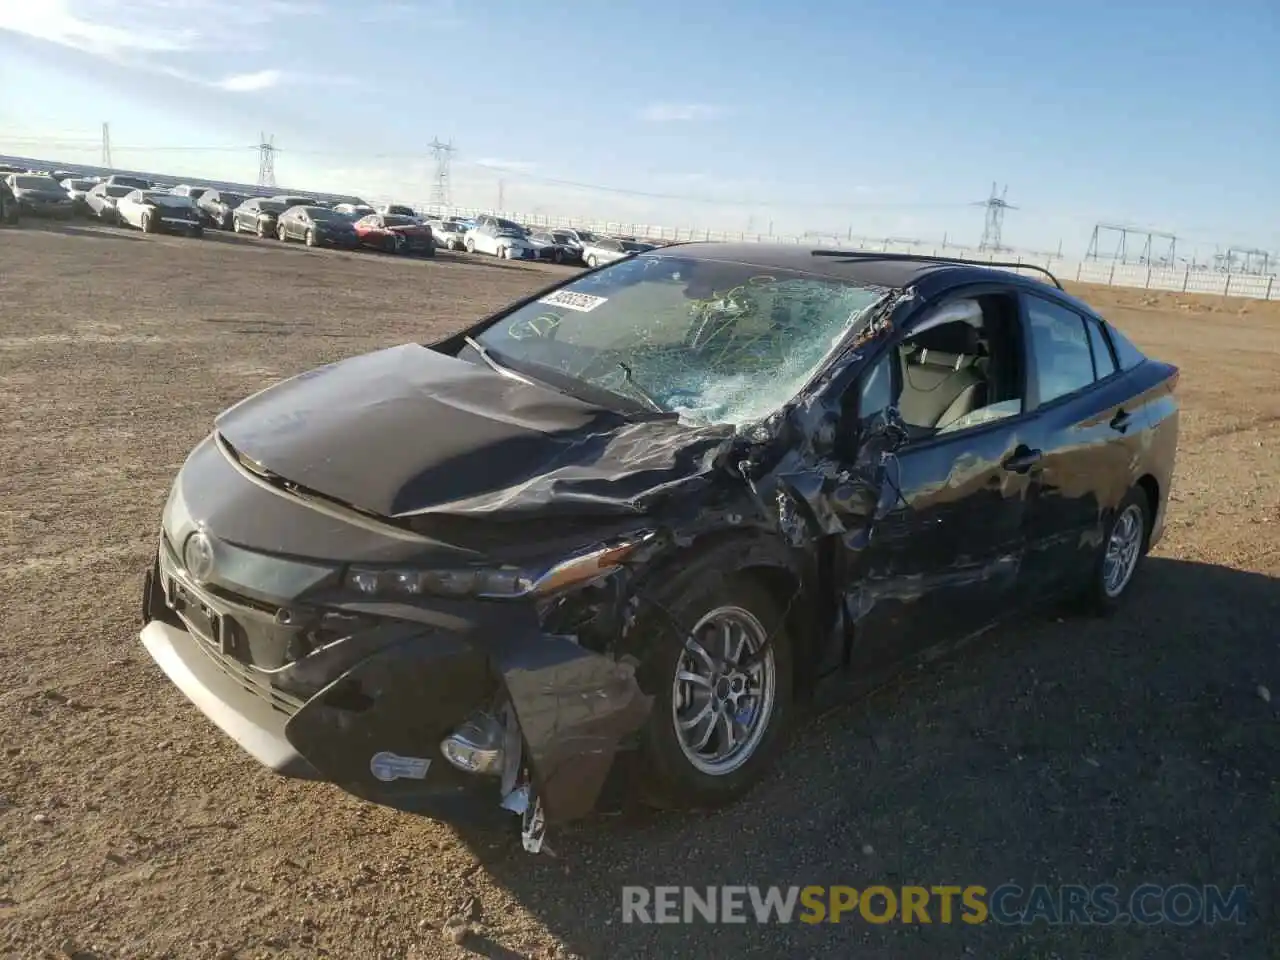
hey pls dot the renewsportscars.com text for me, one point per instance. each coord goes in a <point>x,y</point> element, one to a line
<point>1009,904</point>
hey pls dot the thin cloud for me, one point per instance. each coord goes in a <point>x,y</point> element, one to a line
<point>515,166</point>
<point>147,35</point>
<point>679,112</point>
<point>250,82</point>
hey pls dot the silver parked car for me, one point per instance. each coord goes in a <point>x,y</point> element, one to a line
<point>449,234</point>
<point>608,249</point>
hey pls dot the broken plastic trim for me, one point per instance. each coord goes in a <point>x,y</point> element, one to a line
<point>500,583</point>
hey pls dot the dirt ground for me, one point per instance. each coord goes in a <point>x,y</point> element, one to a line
<point>1143,748</point>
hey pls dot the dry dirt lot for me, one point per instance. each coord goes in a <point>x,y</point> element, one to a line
<point>1144,748</point>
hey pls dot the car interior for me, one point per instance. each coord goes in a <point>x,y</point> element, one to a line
<point>958,369</point>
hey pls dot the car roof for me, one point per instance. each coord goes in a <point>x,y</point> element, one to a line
<point>894,271</point>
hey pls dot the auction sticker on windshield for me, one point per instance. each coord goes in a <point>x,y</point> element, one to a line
<point>582,302</point>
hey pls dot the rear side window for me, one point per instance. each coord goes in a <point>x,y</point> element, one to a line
<point>1127,354</point>
<point>1060,350</point>
<point>1104,362</point>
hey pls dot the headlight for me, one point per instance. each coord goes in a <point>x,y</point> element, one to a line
<point>494,583</point>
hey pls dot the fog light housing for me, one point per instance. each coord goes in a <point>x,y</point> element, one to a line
<point>476,746</point>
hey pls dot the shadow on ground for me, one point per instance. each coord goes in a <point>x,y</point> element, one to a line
<point>1132,750</point>
<point>92,230</point>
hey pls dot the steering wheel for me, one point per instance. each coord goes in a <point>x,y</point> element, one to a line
<point>542,326</point>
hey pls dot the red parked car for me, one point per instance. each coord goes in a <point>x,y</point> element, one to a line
<point>396,234</point>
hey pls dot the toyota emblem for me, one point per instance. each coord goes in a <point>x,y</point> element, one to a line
<point>197,556</point>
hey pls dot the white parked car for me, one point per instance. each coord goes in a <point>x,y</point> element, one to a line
<point>397,210</point>
<point>608,249</point>
<point>153,211</point>
<point>510,243</point>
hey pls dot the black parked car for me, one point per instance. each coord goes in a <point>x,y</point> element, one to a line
<point>216,207</point>
<point>317,227</point>
<point>564,249</point>
<point>257,216</point>
<point>614,533</point>
<point>40,195</point>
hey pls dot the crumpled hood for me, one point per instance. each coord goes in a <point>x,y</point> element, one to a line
<point>407,431</point>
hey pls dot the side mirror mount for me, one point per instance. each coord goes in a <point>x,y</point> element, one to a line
<point>886,430</point>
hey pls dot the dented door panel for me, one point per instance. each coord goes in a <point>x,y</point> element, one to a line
<point>944,558</point>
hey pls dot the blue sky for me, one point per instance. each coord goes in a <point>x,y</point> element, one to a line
<point>882,117</point>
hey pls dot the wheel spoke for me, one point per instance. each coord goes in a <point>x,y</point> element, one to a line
<point>701,743</point>
<point>698,717</point>
<point>694,647</point>
<point>730,735</point>
<point>688,676</point>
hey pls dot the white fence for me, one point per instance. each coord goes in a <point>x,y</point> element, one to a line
<point>1183,279</point>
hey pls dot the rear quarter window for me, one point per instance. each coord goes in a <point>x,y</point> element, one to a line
<point>1127,355</point>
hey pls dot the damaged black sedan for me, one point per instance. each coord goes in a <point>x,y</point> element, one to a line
<point>617,532</point>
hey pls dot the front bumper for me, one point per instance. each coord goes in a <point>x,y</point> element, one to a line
<point>395,680</point>
<point>180,225</point>
<point>342,241</point>
<point>417,246</point>
<point>42,208</point>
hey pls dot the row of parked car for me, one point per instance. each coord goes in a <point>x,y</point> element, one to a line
<point>504,238</point>
<point>395,228</point>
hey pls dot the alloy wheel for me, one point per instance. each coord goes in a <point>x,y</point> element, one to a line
<point>722,697</point>
<point>1124,546</point>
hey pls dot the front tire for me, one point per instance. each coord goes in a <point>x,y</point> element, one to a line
<point>470,246</point>
<point>591,261</point>
<point>1124,546</point>
<point>148,223</point>
<point>717,722</point>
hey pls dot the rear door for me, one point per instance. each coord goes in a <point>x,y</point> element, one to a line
<point>1091,436</point>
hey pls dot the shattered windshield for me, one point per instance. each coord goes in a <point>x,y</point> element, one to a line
<point>713,341</point>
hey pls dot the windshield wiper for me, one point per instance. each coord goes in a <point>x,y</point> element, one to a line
<point>494,364</point>
<point>640,391</point>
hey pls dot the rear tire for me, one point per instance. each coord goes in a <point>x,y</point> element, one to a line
<point>310,238</point>
<point>672,771</point>
<point>1124,546</point>
<point>591,261</point>
<point>148,223</point>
